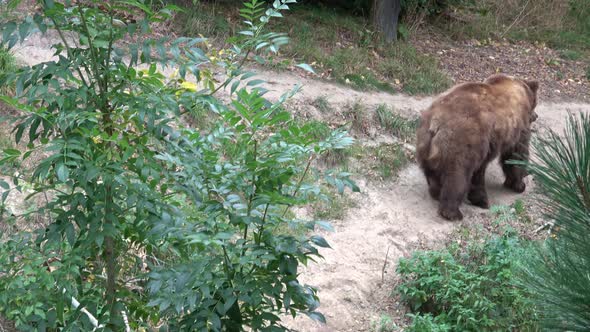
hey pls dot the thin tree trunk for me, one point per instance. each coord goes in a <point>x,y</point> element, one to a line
<point>385,16</point>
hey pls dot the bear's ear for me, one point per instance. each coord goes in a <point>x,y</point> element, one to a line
<point>534,85</point>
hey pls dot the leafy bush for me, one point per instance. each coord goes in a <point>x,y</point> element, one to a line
<point>148,223</point>
<point>559,274</point>
<point>468,287</point>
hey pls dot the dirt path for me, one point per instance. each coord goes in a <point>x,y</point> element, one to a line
<point>350,278</point>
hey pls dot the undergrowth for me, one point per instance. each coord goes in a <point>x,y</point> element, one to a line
<point>471,284</point>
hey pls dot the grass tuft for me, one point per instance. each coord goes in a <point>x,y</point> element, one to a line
<point>323,105</point>
<point>399,126</point>
<point>356,113</point>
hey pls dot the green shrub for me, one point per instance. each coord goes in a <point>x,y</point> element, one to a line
<point>467,287</point>
<point>149,223</point>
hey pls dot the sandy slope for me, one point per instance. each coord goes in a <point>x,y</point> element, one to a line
<point>349,280</point>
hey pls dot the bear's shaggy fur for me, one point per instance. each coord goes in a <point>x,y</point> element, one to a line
<point>466,128</point>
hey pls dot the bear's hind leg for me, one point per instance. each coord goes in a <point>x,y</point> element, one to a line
<point>454,188</point>
<point>433,186</point>
<point>477,192</point>
<point>433,181</point>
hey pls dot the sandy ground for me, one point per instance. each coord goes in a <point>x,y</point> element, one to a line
<point>387,217</point>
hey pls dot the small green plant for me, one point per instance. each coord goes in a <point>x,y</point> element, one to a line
<point>384,324</point>
<point>469,286</point>
<point>391,158</point>
<point>331,206</point>
<point>317,129</point>
<point>356,114</point>
<point>323,105</point>
<point>336,157</point>
<point>428,323</point>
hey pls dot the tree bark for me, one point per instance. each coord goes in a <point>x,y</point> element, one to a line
<point>385,17</point>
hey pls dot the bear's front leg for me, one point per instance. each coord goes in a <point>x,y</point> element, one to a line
<point>515,174</point>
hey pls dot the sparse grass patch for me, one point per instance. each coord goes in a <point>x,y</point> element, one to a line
<point>323,105</point>
<point>337,157</point>
<point>356,114</point>
<point>398,125</point>
<point>332,206</point>
<point>383,161</point>
<point>418,73</point>
<point>571,54</point>
<point>366,81</point>
<point>391,158</point>
<point>7,65</point>
<point>207,20</point>
<point>521,211</point>
<point>317,129</point>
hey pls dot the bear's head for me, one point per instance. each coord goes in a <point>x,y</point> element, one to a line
<point>530,88</point>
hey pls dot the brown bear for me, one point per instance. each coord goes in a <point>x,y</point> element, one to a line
<point>467,127</point>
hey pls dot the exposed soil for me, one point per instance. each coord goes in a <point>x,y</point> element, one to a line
<point>354,285</point>
<point>471,60</point>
